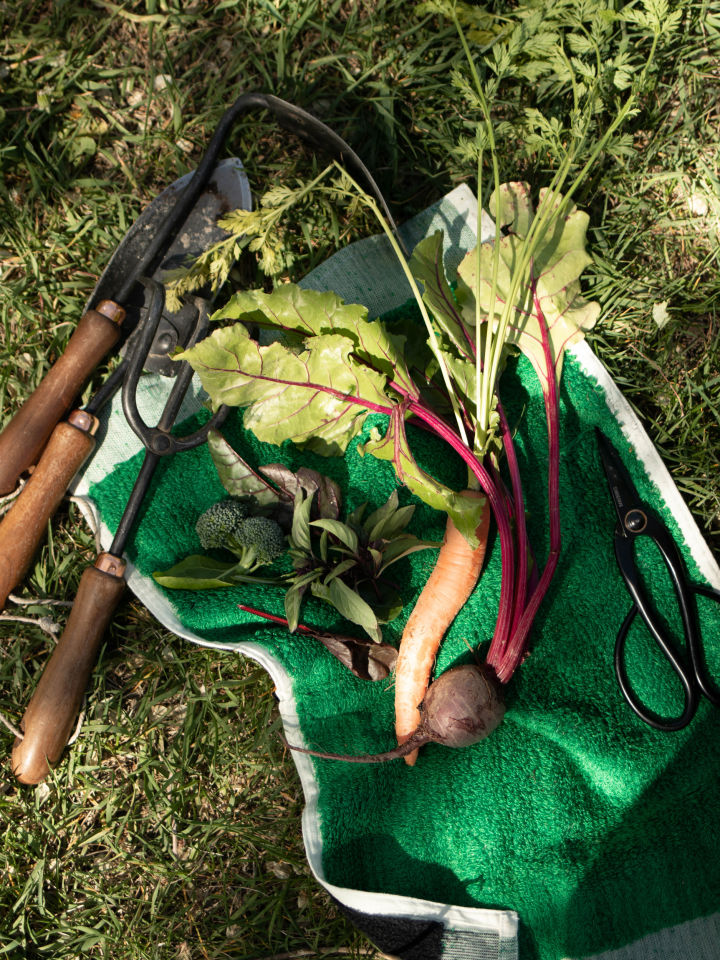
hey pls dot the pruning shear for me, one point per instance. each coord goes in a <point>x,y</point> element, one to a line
<point>636,519</point>
<point>127,305</point>
<point>180,223</point>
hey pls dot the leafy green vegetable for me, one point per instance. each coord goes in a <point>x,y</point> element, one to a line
<point>290,308</point>
<point>394,446</point>
<point>551,295</point>
<point>426,264</point>
<point>341,563</point>
<point>318,398</point>
<point>332,367</point>
<point>236,475</point>
<point>345,565</point>
<point>204,573</point>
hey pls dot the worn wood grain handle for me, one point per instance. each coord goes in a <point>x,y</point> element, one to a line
<point>24,525</point>
<point>52,712</point>
<point>23,439</point>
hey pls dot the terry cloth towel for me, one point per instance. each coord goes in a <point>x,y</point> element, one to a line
<point>574,831</point>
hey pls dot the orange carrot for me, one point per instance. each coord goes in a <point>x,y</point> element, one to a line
<point>453,579</point>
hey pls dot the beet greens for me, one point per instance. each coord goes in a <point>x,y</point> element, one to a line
<point>333,367</point>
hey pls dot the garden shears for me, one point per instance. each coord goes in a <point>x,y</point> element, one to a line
<point>636,519</point>
<point>127,305</point>
<point>177,226</point>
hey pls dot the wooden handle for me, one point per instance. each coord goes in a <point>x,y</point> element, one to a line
<point>53,709</point>
<point>25,523</point>
<point>23,439</point>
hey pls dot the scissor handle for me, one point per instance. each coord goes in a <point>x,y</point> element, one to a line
<point>702,678</point>
<point>643,523</point>
<point>690,671</point>
<point>690,688</point>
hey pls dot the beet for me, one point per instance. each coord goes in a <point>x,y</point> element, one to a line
<point>461,707</point>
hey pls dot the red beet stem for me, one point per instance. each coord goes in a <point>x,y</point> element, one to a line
<point>271,616</point>
<point>513,654</point>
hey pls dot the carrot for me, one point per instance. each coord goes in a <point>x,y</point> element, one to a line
<point>448,587</point>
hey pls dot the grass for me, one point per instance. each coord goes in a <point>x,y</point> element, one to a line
<point>173,828</point>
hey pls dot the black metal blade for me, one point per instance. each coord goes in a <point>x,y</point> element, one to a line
<point>622,490</point>
<point>227,189</point>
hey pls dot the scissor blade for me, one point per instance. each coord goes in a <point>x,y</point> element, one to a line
<point>624,495</point>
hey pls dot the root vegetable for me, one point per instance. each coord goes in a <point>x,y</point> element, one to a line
<point>449,586</point>
<point>462,707</point>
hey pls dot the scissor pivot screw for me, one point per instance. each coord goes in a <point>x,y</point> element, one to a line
<point>165,343</point>
<point>160,443</point>
<point>635,521</point>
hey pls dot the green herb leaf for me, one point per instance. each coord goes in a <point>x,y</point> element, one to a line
<point>341,531</point>
<point>465,511</point>
<point>355,518</point>
<point>384,599</point>
<point>341,568</point>
<point>349,605</point>
<point>377,556</point>
<point>375,523</point>
<point>203,573</point>
<point>402,547</point>
<point>304,580</point>
<point>395,524</point>
<point>323,547</point>
<point>300,532</point>
<point>292,603</point>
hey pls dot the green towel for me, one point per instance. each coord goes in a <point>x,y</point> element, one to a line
<point>594,828</point>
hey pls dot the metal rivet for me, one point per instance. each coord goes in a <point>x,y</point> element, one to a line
<point>635,521</point>
<point>165,343</point>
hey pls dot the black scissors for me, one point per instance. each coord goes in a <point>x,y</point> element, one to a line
<point>636,519</point>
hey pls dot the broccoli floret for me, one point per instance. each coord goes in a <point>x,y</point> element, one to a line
<point>218,524</point>
<point>256,542</point>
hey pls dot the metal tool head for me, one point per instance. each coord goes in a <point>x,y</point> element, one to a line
<point>631,511</point>
<point>227,189</point>
<point>159,440</point>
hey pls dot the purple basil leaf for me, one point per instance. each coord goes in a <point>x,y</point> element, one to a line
<point>329,496</point>
<point>367,660</point>
<point>283,478</point>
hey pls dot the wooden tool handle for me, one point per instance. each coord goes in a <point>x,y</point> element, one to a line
<point>24,525</point>
<point>23,439</point>
<point>52,712</point>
